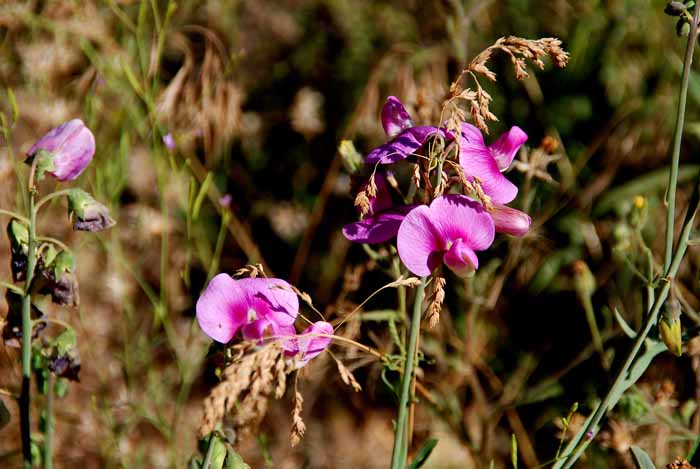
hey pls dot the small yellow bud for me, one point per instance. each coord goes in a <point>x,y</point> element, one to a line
<point>670,327</point>
<point>640,210</point>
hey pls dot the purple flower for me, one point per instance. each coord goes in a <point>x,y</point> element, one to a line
<point>69,149</point>
<point>510,221</point>
<point>227,305</point>
<point>405,138</point>
<point>486,163</point>
<point>225,200</point>
<point>309,343</point>
<point>449,231</point>
<point>169,141</point>
<point>383,219</point>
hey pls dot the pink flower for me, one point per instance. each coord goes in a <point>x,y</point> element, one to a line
<point>510,221</point>
<point>449,231</point>
<point>406,138</point>
<point>169,141</point>
<point>487,163</point>
<point>383,219</point>
<point>309,343</point>
<point>69,149</point>
<point>262,305</point>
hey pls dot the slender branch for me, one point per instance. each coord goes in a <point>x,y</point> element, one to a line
<point>12,214</point>
<point>677,137</point>
<point>51,196</point>
<point>399,453</point>
<point>49,423</point>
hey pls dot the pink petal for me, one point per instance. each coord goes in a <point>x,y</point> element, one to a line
<point>265,329</point>
<point>377,228</point>
<point>504,149</point>
<point>383,199</point>
<point>272,299</point>
<point>394,117</point>
<point>222,308</point>
<point>472,134</point>
<point>419,244</point>
<point>311,344</point>
<point>476,161</point>
<point>403,145</point>
<point>73,146</point>
<point>461,259</point>
<point>457,217</point>
<point>510,221</point>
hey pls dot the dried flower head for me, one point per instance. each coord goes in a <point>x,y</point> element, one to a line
<point>437,298</point>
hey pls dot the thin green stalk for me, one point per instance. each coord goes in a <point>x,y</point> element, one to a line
<point>677,137</point>
<point>399,453</point>
<point>576,447</point>
<point>210,452</point>
<point>49,423</point>
<point>51,196</point>
<point>25,399</point>
<point>593,326</point>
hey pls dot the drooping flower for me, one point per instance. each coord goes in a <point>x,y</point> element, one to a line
<point>405,138</point>
<point>510,221</point>
<point>450,230</point>
<point>382,221</point>
<point>487,162</point>
<point>87,213</point>
<point>67,150</point>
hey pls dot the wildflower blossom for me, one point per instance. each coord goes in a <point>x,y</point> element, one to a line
<point>510,221</point>
<point>67,150</point>
<point>169,141</point>
<point>311,342</point>
<point>382,220</point>
<point>449,231</point>
<point>87,213</point>
<point>405,138</point>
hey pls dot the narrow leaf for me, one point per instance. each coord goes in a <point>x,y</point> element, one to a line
<point>626,328</point>
<point>4,415</point>
<point>424,453</point>
<point>641,459</point>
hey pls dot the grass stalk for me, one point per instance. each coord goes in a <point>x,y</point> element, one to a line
<point>400,451</point>
<point>49,423</point>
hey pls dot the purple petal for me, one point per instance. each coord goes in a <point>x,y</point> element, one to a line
<point>222,308</point>
<point>476,161</point>
<point>403,145</point>
<point>377,228</point>
<point>510,221</point>
<point>311,344</point>
<point>419,243</point>
<point>271,299</point>
<point>73,146</point>
<point>457,217</point>
<point>472,134</point>
<point>264,329</point>
<point>504,149</point>
<point>461,259</point>
<point>394,117</point>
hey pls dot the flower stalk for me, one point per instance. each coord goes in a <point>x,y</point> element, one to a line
<point>400,452</point>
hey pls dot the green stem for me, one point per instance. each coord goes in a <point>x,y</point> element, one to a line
<point>210,452</point>
<point>677,137</point>
<point>25,399</point>
<point>14,215</point>
<point>51,196</point>
<point>593,326</point>
<point>49,423</point>
<point>399,454</point>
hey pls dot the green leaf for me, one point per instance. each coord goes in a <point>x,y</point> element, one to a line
<point>629,332</point>
<point>641,459</point>
<point>423,453</point>
<point>65,342</point>
<point>4,415</point>
<point>218,453</point>
<point>234,460</point>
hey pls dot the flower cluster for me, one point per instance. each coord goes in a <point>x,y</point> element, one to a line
<point>264,310</point>
<point>466,209</point>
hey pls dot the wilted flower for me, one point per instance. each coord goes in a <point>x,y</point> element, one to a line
<point>63,285</point>
<point>12,332</point>
<point>449,231</point>
<point>487,162</point>
<point>382,220</point>
<point>65,151</point>
<point>510,221</point>
<point>18,233</point>
<point>406,138</point>
<point>88,214</point>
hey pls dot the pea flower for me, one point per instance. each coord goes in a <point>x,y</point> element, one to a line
<point>448,231</point>
<point>405,137</point>
<point>487,162</point>
<point>510,221</point>
<point>64,152</point>
<point>262,309</point>
<point>87,213</point>
<point>382,220</point>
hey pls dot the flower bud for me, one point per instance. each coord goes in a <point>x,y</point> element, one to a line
<point>64,152</point>
<point>675,8</point>
<point>640,210</point>
<point>87,213</point>
<point>584,281</point>
<point>352,159</point>
<point>510,221</point>
<point>18,233</point>
<point>670,327</point>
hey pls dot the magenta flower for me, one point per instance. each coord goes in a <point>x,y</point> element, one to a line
<point>262,305</point>
<point>69,149</point>
<point>383,219</point>
<point>510,221</point>
<point>487,163</point>
<point>309,343</point>
<point>405,138</point>
<point>449,231</point>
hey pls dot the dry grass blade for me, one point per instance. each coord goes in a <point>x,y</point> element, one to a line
<point>410,282</point>
<point>251,270</point>
<point>347,376</point>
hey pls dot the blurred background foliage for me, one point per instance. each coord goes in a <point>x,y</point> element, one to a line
<point>257,95</point>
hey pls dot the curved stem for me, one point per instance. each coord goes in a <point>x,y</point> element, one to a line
<point>12,214</point>
<point>51,196</point>
<point>55,241</point>
<point>677,137</point>
<point>399,453</point>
